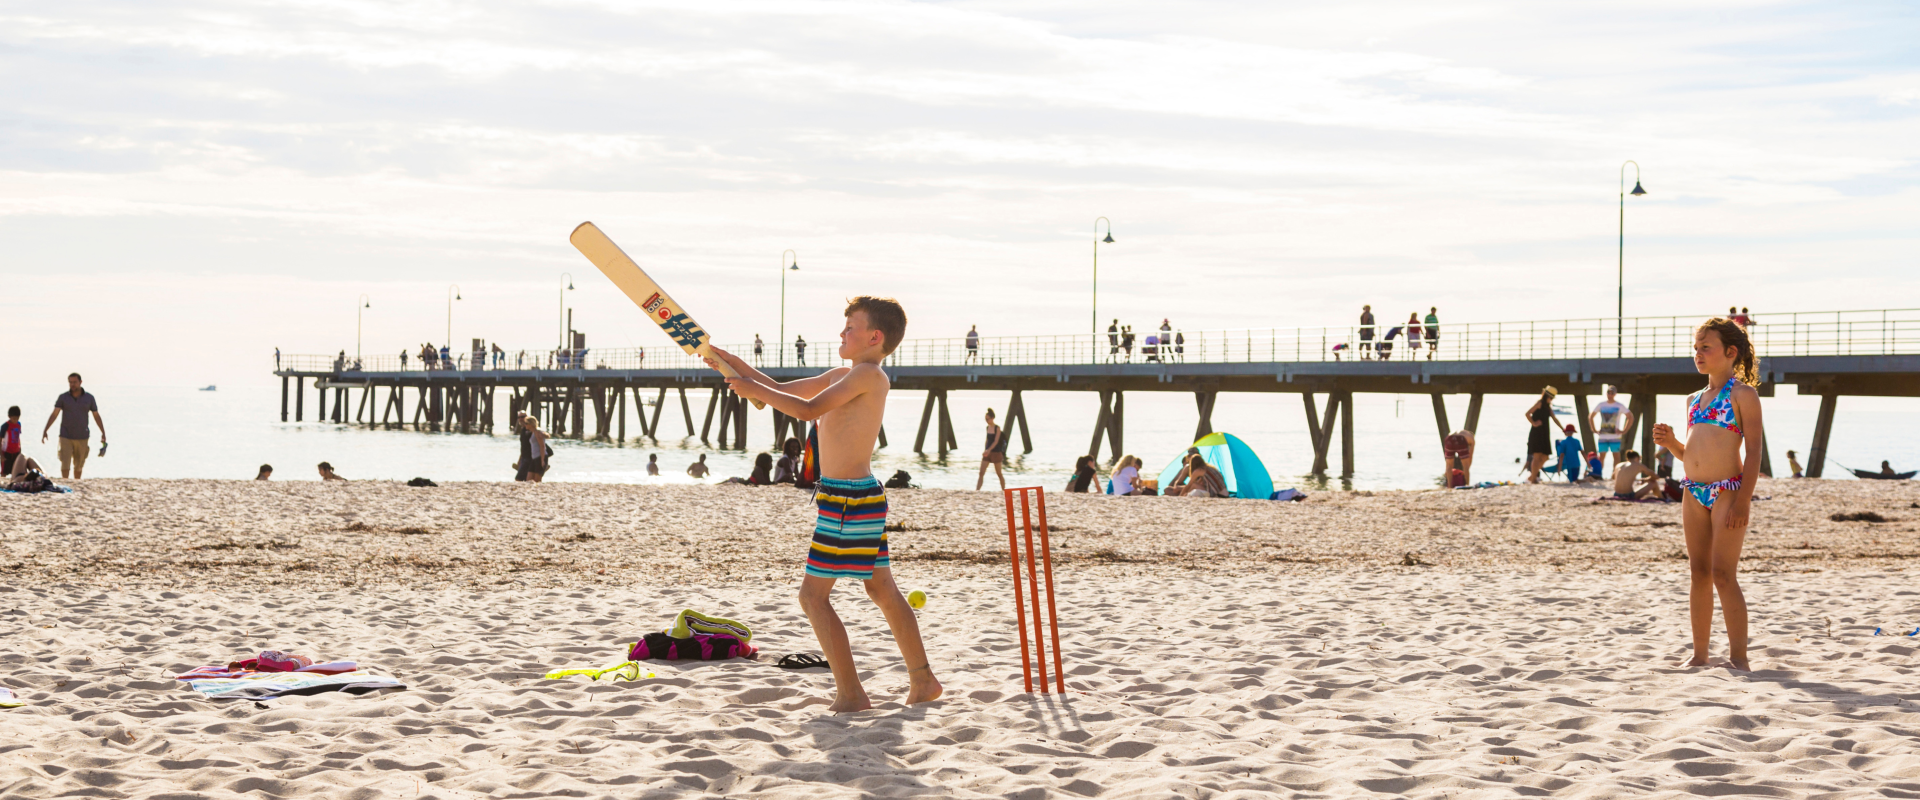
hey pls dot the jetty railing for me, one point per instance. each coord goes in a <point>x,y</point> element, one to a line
<point>1821,333</point>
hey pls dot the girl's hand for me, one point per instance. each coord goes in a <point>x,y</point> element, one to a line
<point>1663,435</point>
<point>1738,515</point>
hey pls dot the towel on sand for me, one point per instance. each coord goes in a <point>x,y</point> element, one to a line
<point>285,684</point>
<point>7,700</point>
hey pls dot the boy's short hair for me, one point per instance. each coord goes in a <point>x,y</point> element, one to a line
<point>1632,455</point>
<point>13,411</point>
<point>885,315</point>
<point>75,376</point>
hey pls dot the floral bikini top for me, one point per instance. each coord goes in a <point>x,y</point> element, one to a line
<point>1717,412</point>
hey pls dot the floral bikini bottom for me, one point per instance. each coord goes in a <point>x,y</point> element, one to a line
<point>1706,493</point>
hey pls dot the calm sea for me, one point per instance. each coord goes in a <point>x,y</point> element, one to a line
<point>174,432</point>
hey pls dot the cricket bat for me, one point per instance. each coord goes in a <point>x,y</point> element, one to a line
<point>645,293</point>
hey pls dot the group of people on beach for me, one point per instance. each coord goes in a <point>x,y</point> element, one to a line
<point>73,409</point>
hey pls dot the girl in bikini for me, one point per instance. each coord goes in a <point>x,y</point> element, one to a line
<point>1720,479</point>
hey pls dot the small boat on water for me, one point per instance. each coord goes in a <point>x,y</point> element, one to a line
<point>1883,476</point>
<point>209,388</point>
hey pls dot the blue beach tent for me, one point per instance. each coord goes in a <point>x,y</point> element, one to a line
<point>1244,474</point>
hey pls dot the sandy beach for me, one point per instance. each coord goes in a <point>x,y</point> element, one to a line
<point>1508,642</point>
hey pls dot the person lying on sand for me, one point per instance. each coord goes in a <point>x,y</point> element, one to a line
<point>849,536</point>
<point>21,466</point>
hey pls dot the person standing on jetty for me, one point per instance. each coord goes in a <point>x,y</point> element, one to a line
<point>1433,331</point>
<point>973,343</point>
<point>71,409</point>
<point>1720,481</point>
<point>849,538</point>
<point>1366,331</point>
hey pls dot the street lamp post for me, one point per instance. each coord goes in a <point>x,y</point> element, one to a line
<point>561,322</point>
<point>453,293</point>
<point>785,267</point>
<point>1620,311</point>
<point>364,304</point>
<point>1096,278</point>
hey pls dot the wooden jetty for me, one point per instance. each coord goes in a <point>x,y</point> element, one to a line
<point>583,393</point>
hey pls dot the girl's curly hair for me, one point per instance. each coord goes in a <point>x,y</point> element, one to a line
<point>1745,361</point>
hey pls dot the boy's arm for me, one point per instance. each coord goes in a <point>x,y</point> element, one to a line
<point>850,382</point>
<point>804,387</point>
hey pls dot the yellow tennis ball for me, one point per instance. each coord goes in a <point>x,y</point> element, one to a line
<point>917,598</point>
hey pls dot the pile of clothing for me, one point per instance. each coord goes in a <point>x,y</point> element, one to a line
<point>693,636</point>
<point>278,674</point>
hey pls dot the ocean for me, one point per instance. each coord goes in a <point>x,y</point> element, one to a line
<point>181,432</point>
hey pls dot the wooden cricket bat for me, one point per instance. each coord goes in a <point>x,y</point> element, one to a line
<point>645,293</point>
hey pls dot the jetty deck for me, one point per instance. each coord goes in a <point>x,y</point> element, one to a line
<point>585,393</point>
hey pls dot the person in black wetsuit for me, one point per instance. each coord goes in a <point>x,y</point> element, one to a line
<point>1540,437</point>
<point>995,454</point>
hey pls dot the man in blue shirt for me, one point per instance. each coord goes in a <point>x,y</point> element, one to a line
<point>1570,455</point>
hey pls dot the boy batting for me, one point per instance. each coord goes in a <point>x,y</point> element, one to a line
<point>849,536</point>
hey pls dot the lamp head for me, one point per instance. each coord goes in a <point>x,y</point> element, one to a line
<point>569,286</point>
<point>1109,239</point>
<point>795,266</point>
<point>1637,191</point>
<point>456,296</point>
<point>368,304</point>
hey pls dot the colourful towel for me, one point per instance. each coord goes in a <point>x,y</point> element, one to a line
<point>690,622</point>
<point>230,671</point>
<point>285,684</point>
<point>8,700</point>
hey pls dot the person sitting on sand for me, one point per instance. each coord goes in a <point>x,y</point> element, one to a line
<point>1203,480</point>
<point>266,473</point>
<point>1084,471</point>
<point>327,473</point>
<point>1626,475</point>
<point>1178,485</point>
<point>1126,477</point>
<point>787,469</point>
<point>699,469</point>
<point>653,464</point>
<point>762,470</point>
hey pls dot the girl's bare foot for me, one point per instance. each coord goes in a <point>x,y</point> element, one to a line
<point>1696,661</point>
<point>922,686</point>
<point>845,705</point>
<point>1740,664</point>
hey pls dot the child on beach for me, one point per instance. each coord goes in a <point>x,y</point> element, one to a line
<point>1719,479</point>
<point>849,538</point>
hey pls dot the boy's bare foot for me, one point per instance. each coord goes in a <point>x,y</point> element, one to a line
<point>845,705</point>
<point>922,687</point>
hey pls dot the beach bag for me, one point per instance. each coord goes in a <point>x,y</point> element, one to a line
<point>1456,479</point>
<point>900,480</point>
<point>697,647</point>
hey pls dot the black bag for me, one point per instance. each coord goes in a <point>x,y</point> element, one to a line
<point>421,482</point>
<point>900,480</point>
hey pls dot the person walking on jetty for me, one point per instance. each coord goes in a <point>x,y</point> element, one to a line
<point>1610,420</point>
<point>1126,342</point>
<point>759,347</point>
<point>849,538</point>
<point>1113,340</point>
<point>1722,420</point>
<point>973,343</point>
<point>1413,335</point>
<point>71,408</point>
<point>995,454</point>
<point>1366,332</point>
<point>1432,329</point>
<point>1540,438</point>
<point>799,350</point>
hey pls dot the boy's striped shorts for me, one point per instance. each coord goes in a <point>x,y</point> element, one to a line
<point>850,534</point>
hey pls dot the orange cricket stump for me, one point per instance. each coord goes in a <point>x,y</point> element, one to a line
<point>1020,537</point>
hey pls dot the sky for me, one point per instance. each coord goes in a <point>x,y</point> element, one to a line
<point>186,185</point>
